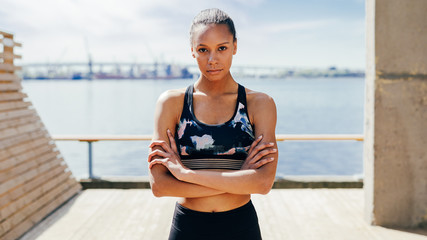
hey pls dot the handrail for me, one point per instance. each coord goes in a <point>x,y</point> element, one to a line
<point>279,137</point>
<point>95,138</point>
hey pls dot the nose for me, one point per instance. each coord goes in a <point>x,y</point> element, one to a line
<point>212,58</point>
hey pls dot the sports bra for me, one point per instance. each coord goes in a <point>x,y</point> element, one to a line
<point>220,146</point>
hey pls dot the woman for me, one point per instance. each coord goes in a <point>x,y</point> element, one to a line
<point>214,142</point>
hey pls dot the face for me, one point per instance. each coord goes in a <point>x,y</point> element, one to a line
<point>213,48</point>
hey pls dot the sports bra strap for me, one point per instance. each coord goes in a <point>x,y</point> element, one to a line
<point>188,97</point>
<point>241,96</point>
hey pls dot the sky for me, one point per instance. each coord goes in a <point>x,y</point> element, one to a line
<point>287,33</point>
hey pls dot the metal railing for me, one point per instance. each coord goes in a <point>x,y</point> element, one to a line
<point>279,137</point>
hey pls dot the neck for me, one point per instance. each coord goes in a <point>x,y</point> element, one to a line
<point>218,87</point>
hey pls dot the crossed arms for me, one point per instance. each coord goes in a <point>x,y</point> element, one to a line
<point>168,177</point>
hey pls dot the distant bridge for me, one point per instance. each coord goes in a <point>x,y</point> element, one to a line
<point>156,70</point>
<point>147,65</point>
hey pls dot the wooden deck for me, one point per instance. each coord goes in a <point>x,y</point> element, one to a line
<point>283,214</point>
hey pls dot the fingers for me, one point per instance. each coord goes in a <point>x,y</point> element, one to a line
<point>172,141</point>
<point>157,152</point>
<point>162,144</point>
<point>157,161</point>
<point>259,148</point>
<point>262,163</point>
<point>253,145</point>
<point>262,154</point>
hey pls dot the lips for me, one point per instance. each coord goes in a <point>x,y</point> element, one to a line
<point>214,71</point>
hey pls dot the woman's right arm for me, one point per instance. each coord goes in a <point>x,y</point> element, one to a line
<point>165,184</point>
<point>162,182</point>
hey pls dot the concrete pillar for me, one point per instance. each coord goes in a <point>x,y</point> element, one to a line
<point>395,147</point>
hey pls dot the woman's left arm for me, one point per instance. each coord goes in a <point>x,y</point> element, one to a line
<point>246,181</point>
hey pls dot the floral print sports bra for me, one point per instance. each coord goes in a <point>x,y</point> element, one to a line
<point>222,146</point>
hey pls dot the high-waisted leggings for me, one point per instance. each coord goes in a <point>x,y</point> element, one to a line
<point>239,223</point>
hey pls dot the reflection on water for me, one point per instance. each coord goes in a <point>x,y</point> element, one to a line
<point>304,106</point>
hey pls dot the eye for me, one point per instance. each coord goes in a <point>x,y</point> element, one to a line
<point>222,48</point>
<point>202,50</point>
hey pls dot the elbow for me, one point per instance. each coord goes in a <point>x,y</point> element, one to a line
<point>157,187</point>
<point>264,189</point>
<point>156,190</point>
<point>158,181</point>
<point>265,181</point>
<point>264,186</point>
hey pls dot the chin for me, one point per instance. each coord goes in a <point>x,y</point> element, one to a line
<point>215,78</point>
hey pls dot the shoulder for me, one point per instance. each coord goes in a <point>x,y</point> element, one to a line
<point>172,96</point>
<point>169,105</point>
<point>261,107</point>
<point>258,99</point>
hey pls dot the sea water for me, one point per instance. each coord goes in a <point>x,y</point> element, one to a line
<point>304,106</point>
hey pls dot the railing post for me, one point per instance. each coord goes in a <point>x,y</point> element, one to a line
<point>90,160</point>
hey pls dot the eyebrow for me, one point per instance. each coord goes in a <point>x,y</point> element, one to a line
<point>201,44</point>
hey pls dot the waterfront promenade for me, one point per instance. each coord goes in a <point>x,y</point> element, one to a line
<point>37,190</point>
<point>298,214</point>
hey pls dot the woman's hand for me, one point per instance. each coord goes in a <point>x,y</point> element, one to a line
<point>256,152</point>
<point>169,156</point>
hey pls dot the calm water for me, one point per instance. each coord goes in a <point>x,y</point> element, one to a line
<point>304,106</point>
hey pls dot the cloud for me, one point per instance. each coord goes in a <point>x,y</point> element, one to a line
<point>295,25</point>
<point>126,30</point>
<point>252,3</point>
<point>49,28</point>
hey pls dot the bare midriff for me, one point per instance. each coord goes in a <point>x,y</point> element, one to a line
<point>216,203</point>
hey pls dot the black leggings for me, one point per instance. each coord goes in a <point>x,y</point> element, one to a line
<point>239,223</point>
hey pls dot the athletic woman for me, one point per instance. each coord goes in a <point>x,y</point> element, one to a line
<point>214,142</point>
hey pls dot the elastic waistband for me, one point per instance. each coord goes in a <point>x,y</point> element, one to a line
<point>243,209</point>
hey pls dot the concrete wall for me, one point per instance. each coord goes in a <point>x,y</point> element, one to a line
<point>395,151</point>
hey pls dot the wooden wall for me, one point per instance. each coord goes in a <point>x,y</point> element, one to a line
<point>34,179</point>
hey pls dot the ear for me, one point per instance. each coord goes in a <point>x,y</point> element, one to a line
<point>192,52</point>
<point>235,47</point>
